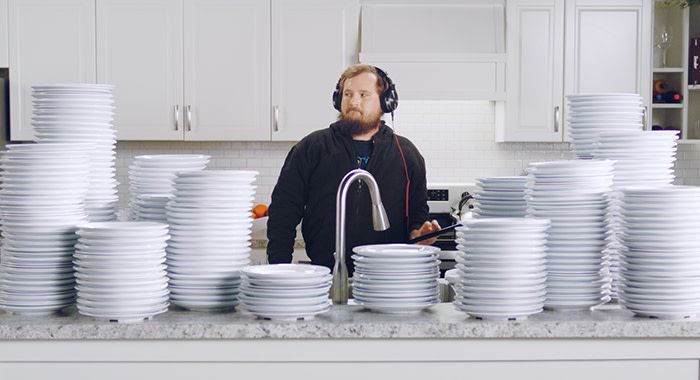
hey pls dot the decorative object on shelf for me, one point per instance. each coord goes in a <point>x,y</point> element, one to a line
<point>663,40</point>
<point>694,61</point>
<point>678,3</point>
<point>664,94</point>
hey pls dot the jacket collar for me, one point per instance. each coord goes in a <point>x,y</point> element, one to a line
<point>385,132</point>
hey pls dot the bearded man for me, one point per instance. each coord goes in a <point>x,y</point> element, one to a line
<point>308,182</point>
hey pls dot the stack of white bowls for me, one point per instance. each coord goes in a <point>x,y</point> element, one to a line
<point>396,278</point>
<point>210,223</point>
<point>42,199</point>
<point>120,270</point>
<point>591,114</point>
<point>501,267</point>
<point>151,207</point>
<point>154,174</point>
<point>574,196</point>
<point>286,291</point>
<point>642,158</point>
<point>83,113</point>
<point>500,197</point>
<point>660,267</point>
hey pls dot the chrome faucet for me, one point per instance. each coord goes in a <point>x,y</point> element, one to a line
<point>380,221</point>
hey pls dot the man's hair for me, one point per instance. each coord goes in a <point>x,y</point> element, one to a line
<point>356,70</point>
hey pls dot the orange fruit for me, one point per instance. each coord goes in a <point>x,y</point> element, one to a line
<point>260,211</point>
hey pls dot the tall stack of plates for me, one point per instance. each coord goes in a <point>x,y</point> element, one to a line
<point>151,207</point>
<point>120,270</point>
<point>286,291</point>
<point>154,174</point>
<point>83,113</point>
<point>660,267</point>
<point>501,267</point>
<point>396,278</point>
<point>642,158</point>
<point>500,197</point>
<point>42,199</point>
<point>591,114</point>
<point>210,223</point>
<point>574,196</point>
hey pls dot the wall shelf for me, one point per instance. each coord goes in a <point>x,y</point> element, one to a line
<point>668,70</point>
<point>667,105</point>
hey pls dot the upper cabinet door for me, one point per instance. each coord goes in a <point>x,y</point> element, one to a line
<point>50,41</point>
<point>139,50</point>
<point>608,47</point>
<point>535,71</point>
<point>313,41</point>
<point>4,28</point>
<point>227,70</point>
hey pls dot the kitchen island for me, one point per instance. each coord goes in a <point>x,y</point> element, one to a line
<point>348,342</point>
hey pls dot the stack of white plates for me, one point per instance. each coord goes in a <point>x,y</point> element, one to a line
<point>574,196</point>
<point>660,267</point>
<point>591,114</point>
<point>210,223</point>
<point>42,199</point>
<point>501,267</point>
<point>151,207</point>
<point>83,113</point>
<point>396,278</point>
<point>500,197</point>
<point>154,174</point>
<point>120,270</point>
<point>642,158</point>
<point>286,291</point>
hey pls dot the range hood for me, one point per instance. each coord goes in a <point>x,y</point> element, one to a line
<point>442,50</point>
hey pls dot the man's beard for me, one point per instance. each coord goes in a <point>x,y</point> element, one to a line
<point>358,126</point>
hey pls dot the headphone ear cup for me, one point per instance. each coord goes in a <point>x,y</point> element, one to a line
<point>390,99</point>
<point>337,98</point>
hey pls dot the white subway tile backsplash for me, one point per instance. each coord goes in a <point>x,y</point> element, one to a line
<point>456,139</point>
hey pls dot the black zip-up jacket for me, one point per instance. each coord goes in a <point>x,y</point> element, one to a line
<point>308,183</point>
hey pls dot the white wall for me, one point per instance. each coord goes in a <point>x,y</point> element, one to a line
<point>456,138</point>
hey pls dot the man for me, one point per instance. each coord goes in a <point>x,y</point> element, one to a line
<point>308,182</point>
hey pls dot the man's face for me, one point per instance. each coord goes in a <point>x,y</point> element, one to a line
<point>360,106</point>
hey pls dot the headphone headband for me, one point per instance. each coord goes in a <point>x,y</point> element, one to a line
<point>388,99</point>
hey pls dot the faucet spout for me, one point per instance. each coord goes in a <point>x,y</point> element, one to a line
<point>380,221</point>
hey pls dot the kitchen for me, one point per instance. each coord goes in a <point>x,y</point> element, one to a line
<point>167,60</point>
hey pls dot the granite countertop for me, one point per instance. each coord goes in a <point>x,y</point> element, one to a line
<point>441,321</point>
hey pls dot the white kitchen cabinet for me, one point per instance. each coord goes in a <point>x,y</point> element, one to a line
<point>227,70</point>
<point>50,41</point>
<point>605,49</point>
<point>139,50</point>
<point>534,71</point>
<point>608,47</point>
<point>313,41</point>
<point>4,28</point>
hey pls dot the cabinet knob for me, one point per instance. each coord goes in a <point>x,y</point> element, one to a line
<point>188,111</point>
<point>275,118</point>
<point>556,119</point>
<point>177,117</point>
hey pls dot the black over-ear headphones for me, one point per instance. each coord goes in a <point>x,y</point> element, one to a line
<point>388,99</point>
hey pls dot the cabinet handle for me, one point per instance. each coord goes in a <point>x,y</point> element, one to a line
<point>645,127</point>
<point>556,119</point>
<point>275,118</point>
<point>177,118</point>
<point>188,110</point>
